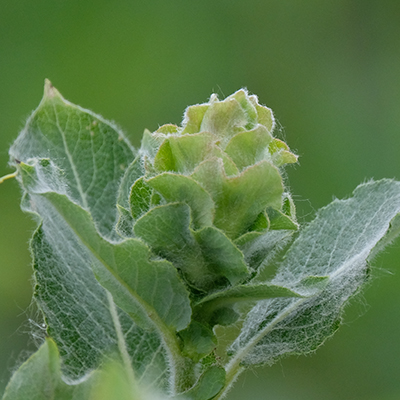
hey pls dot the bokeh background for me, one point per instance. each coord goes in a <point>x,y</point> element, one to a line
<point>329,69</point>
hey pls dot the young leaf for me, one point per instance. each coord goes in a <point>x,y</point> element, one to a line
<point>336,245</point>
<point>180,188</point>
<point>240,199</point>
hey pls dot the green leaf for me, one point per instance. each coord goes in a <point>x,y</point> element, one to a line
<point>180,188</point>
<point>193,117</point>
<point>166,230</point>
<point>260,247</point>
<point>208,385</point>
<point>183,153</point>
<point>140,286</point>
<point>248,107</point>
<point>278,220</point>
<point>249,147</point>
<point>132,174</point>
<point>92,153</point>
<point>331,251</point>
<point>223,257</point>
<point>264,114</point>
<point>125,222</point>
<point>39,378</point>
<point>240,199</point>
<point>198,341</point>
<point>140,198</point>
<point>202,256</point>
<point>79,314</point>
<point>280,153</point>
<point>207,307</point>
<point>224,119</point>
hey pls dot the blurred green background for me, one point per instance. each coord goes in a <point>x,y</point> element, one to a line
<point>329,69</point>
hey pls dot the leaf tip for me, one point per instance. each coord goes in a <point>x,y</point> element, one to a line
<point>49,90</point>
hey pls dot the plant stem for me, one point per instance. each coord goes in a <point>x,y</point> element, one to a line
<point>233,368</point>
<point>9,176</point>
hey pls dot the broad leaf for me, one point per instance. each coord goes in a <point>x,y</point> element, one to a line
<point>142,287</point>
<point>202,256</point>
<point>39,378</point>
<point>336,245</point>
<point>92,153</point>
<point>80,315</point>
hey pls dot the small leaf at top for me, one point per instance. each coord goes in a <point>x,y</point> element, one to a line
<point>240,199</point>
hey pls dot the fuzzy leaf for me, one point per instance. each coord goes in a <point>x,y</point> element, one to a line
<point>80,315</point>
<point>221,254</point>
<point>140,198</point>
<point>139,285</point>
<point>92,153</point>
<point>180,188</point>
<point>249,147</point>
<point>210,306</point>
<point>240,199</point>
<point>224,119</point>
<point>131,175</point>
<point>335,245</point>
<point>183,153</point>
<point>39,378</point>
<point>166,230</point>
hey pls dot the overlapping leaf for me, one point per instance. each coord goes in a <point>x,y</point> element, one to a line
<point>335,245</point>
<point>92,153</point>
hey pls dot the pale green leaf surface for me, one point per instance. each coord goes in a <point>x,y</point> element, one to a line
<point>193,117</point>
<point>92,153</point>
<point>79,314</point>
<point>183,153</point>
<point>335,245</point>
<point>224,119</point>
<point>280,153</point>
<point>138,284</point>
<point>202,256</point>
<point>131,175</point>
<point>124,226</point>
<point>261,247</point>
<point>240,199</point>
<point>249,147</point>
<point>248,107</point>
<point>180,188</point>
<point>278,220</point>
<point>140,198</point>
<point>216,301</point>
<point>223,257</point>
<point>261,224</point>
<point>264,114</point>
<point>76,307</point>
<point>166,229</point>
<point>151,143</point>
<point>39,378</point>
<point>199,340</point>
